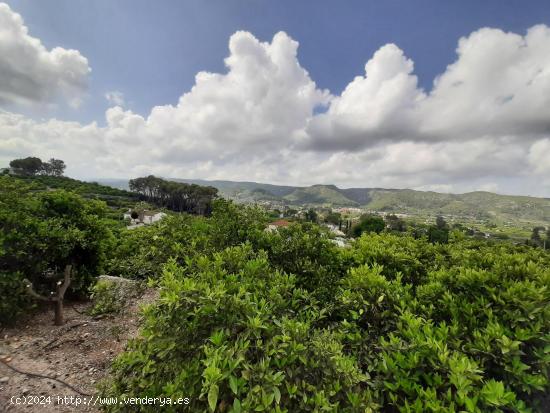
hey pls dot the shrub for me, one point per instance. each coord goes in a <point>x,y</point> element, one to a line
<point>41,232</point>
<point>288,322</point>
<point>239,336</point>
<point>369,223</point>
<point>306,251</point>
<point>111,295</point>
<point>13,300</point>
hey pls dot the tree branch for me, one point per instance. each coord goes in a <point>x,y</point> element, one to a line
<point>33,293</point>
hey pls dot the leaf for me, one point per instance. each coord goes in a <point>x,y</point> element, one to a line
<point>213,397</point>
<point>236,406</point>
<point>277,394</point>
<point>233,384</point>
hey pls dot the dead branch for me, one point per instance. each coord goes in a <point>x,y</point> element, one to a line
<point>67,329</point>
<point>33,293</point>
<point>41,376</point>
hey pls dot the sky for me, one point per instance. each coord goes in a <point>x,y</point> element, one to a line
<point>446,96</point>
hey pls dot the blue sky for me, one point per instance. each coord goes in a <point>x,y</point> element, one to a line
<point>452,96</point>
<point>151,50</point>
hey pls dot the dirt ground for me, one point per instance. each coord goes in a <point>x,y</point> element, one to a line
<point>78,353</point>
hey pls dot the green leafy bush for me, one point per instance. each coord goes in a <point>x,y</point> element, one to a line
<point>141,252</point>
<point>42,231</point>
<point>286,322</point>
<point>107,298</point>
<point>13,299</point>
<point>239,336</point>
<point>111,294</point>
<point>306,251</point>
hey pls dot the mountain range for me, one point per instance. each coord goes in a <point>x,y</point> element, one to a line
<point>477,205</point>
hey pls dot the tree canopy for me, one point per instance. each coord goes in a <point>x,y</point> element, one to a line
<point>176,196</point>
<point>33,166</point>
<point>369,223</point>
<point>42,231</point>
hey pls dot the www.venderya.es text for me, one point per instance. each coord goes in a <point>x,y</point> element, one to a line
<point>97,401</point>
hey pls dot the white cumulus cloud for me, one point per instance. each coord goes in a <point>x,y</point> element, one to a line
<point>485,124</point>
<point>32,74</point>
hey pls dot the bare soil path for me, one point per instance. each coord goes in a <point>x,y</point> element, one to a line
<point>78,353</point>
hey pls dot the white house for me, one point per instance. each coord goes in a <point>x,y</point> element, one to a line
<point>144,217</point>
<point>149,217</point>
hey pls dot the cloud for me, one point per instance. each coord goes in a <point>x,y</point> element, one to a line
<point>31,74</point>
<point>539,156</point>
<point>257,107</point>
<point>378,106</point>
<point>483,125</point>
<point>114,97</point>
<point>499,85</point>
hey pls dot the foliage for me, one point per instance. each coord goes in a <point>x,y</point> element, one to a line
<point>398,256</point>
<point>13,299</point>
<point>32,166</point>
<point>233,224</point>
<point>110,296</point>
<point>42,231</point>
<point>438,235</point>
<point>284,321</point>
<point>311,215</point>
<point>394,223</point>
<point>305,251</point>
<point>91,190</point>
<point>239,336</point>
<point>27,166</point>
<point>141,252</point>
<point>54,167</point>
<point>176,196</point>
<point>334,218</point>
<point>107,298</point>
<point>369,223</point>
<point>538,240</point>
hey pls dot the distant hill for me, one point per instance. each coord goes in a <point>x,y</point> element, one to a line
<point>113,195</point>
<point>474,205</point>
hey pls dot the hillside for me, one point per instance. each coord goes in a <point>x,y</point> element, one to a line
<point>473,205</point>
<point>115,196</point>
<point>320,195</point>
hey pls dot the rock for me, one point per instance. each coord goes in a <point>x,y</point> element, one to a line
<point>4,379</point>
<point>25,391</point>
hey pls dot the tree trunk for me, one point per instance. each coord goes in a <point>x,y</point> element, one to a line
<point>58,320</point>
